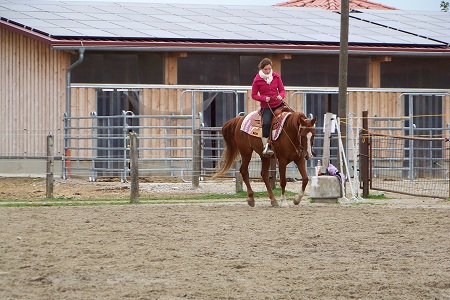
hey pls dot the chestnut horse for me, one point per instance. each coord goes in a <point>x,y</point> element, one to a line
<point>294,144</point>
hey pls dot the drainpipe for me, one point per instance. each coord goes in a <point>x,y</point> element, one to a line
<point>67,124</point>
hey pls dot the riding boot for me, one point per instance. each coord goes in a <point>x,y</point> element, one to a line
<point>267,151</point>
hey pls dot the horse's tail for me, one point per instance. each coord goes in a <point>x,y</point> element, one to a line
<point>231,152</point>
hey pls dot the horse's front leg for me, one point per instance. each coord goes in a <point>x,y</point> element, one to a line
<point>265,165</point>
<point>245,177</point>
<point>301,165</point>
<point>282,171</point>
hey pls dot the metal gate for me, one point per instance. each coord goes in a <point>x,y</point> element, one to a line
<point>410,154</point>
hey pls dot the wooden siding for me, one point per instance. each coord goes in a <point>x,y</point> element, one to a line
<point>32,95</point>
<point>384,104</point>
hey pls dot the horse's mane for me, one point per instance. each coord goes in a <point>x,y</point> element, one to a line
<point>297,119</point>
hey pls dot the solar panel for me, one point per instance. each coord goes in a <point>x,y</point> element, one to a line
<point>159,33</point>
<point>223,22</point>
<point>227,35</point>
<point>75,16</point>
<point>413,22</point>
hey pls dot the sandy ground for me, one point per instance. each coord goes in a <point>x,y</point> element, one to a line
<point>383,249</point>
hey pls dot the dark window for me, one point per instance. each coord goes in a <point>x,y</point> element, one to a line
<point>407,72</point>
<point>209,69</point>
<point>120,68</point>
<point>248,69</point>
<point>310,71</point>
<point>317,70</point>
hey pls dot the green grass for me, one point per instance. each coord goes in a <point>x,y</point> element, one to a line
<point>163,199</point>
<point>242,194</point>
<point>377,197</point>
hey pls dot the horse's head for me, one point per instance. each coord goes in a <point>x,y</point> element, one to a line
<point>307,132</point>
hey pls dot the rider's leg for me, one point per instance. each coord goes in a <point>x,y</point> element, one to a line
<point>267,120</point>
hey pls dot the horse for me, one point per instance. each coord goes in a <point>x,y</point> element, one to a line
<point>294,144</point>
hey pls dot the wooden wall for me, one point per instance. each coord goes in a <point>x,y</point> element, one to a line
<point>32,95</point>
<point>385,104</point>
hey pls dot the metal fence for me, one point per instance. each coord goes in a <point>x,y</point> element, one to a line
<point>100,148</point>
<point>407,159</point>
<point>99,145</point>
<point>408,165</point>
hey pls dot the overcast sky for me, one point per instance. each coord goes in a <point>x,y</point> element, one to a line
<point>427,5</point>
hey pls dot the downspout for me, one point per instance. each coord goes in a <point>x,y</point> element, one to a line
<point>67,124</point>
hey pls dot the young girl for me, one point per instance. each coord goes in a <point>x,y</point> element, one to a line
<point>268,89</point>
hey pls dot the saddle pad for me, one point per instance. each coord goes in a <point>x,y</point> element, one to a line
<point>247,126</point>
<point>276,132</point>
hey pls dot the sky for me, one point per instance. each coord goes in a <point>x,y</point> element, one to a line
<point>423,5</point>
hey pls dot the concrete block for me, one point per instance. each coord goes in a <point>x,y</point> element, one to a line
<point>325,189</point>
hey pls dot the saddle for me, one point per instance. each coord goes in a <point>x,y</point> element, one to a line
<point>253,122</point>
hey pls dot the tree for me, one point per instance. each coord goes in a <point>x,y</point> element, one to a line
<point>445,5</point>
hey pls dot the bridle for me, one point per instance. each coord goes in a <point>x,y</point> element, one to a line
<point>302,131</point>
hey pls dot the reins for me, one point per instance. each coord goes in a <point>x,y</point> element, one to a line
<point>299,151</point>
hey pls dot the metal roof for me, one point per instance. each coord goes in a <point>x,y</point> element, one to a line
<point>133,24</point>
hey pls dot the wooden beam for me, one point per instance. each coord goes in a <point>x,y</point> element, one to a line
<point>171,67</point>
<point>375,70</point>
<point>276,61</point>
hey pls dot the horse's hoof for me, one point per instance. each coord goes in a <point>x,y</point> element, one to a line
<point>297,200</point>
<point>274,203</point>
<point>251,203</point>
<point>284,203</point>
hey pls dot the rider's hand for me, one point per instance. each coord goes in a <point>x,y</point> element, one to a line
<point>279,97</point>
<point>267,99</point>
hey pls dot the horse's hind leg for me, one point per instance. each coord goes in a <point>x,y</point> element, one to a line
<point>245,177</point>
<point>282,172</point>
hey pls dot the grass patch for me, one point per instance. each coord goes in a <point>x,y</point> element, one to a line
<point>162,199</point>
<point>377,197</point>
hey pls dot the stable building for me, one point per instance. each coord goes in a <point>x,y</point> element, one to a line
<point>88,72</point>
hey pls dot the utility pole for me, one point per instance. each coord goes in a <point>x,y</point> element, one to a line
<point>343,71</point>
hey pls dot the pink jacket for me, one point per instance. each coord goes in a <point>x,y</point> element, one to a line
<point>261,90</point>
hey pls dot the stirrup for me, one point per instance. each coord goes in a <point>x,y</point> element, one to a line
<point>267,151</point>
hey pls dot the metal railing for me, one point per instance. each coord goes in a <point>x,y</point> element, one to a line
<point>100,145</point>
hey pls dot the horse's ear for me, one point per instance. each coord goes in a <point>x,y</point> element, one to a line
<point>313,121</point>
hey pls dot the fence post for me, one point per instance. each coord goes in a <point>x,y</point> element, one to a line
<point>273,173</point>
<point>326,142</point>
<point>196,160</point>
<point>49,174</point>
<point>364,154</point>
<point>134,166</point>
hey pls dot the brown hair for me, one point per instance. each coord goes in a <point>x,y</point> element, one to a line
<point>264,63</point>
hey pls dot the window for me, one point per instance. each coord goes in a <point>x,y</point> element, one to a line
<point>407,72</point>
<point>209,69</point>
<point>120,68</point>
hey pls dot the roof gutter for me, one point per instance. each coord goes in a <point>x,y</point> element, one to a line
<point>68,79</point>
<point>353,50</point>
<point>67,124</point>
